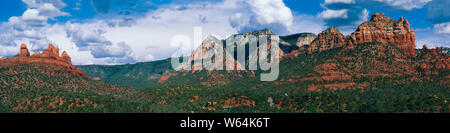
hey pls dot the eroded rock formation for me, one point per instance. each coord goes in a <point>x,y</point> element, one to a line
<point>382,29</point>
<point>48,56</point>
<point>328,39</point>
<point>24,51</point>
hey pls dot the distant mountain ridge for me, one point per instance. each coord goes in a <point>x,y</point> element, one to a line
<point>146,74</point>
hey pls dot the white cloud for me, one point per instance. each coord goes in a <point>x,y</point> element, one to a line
<point>38,3</point>
<point>364,15</point>
<point>343,17</point>
<point>339,1</point>
<point>403,4</point>
<point>259,14</point>
<point>329,14</point>
<point>7,50</point>
<point>49,10</point>
<point>89,37</point>
<point>271,11</point>
<point>33,15</point>
<point>442,28</point>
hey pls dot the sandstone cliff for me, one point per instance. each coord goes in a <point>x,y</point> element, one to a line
<point>382,29</point>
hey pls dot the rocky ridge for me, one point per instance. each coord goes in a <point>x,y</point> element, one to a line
<point>48,56</point>
<point>380,28</point>
<point>328,39</point>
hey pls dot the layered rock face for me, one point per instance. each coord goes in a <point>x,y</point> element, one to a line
<point>24,51</point>
<point>328,39</point>
<point>50,52</point>
<point>66,58</point>
<point>382,29</point>
<point>53,53</point>
<point>49,56</point>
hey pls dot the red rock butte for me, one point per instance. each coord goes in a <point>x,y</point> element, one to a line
<point>48,56</point>
<point>380,28</point>
<point>24,51</point>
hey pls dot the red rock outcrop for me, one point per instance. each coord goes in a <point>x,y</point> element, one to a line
<point>328,39</point>
<point>49,56</point>
<point>66,58</point>
<point>50,52</point>
<point>382,29</point>
<point>24,51</point>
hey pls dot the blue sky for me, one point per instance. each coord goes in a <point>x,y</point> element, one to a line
<point>128,31</point>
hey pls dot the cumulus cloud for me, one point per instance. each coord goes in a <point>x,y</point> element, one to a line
<point>442,28</point>
<point>50,11</point>
<point>344,14</point>
<point>89,37</point>
<point>48,8</point>
<point>25,29</point>
<point>330,14</point>
<point>7,51</point>
<point>272,14</point>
